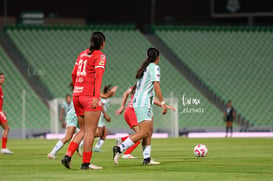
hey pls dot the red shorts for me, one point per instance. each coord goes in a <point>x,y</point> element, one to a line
<point>130,117</point>
<point>3,118</point>
<point>83,104</point>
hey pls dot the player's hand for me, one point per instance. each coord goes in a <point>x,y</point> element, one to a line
<point>95,103</point>
<point>120,110</point>
<point>107,118</point>
<point>164,109</point>
<point>170,107</point>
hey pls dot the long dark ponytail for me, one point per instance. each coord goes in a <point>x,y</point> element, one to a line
<point>152,54</point>
<point>134,89</point>
<point>96,40</point>
<point>106,88</point>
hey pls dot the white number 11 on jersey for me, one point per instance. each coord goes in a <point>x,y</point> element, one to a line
<point>81,68</point>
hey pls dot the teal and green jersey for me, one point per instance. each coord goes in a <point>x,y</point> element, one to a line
<point>144,95</point>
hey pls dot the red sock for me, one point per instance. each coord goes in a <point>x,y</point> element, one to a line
<point>71,148</point>
<point>86,157</point>
<point>124,138</point>
<point>4,142</point>
<point>131,149</point>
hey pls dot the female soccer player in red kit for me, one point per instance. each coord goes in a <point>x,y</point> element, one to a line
<point>3,119</point>
<point>87,78</point>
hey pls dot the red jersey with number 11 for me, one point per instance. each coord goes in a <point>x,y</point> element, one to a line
<point>84,72</point>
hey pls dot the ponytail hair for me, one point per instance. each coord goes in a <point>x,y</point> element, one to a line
<point>106,88</point>
<point>71,86</point>
<point>152,54</point>
<point>134,89</point>
<point>96,40</point>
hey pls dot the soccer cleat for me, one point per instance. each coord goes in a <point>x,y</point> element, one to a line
<point>116,154</point>
<point>128,156</point>
<point>51,156</point>
<point>152,162</point>
<point>66,161</point>
<point>97,150</point>
<point>118,141</point>
<point>79,151</point>
<point>6,151</point>
<point>148,161</point>
<point>90,167</point>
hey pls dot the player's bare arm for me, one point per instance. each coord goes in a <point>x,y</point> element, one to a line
<point>158,94</point>
<point>158,103</point>
<point>123,101</point>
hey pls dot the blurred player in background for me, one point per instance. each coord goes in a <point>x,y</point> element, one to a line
<point>148,76</point>
<point>131,119</point>
<point>101,131</point>
<point>229,115</point>
<point>3,119</point>
<point>71,124</point>
<point>65,107</point>
<point>87,78</point>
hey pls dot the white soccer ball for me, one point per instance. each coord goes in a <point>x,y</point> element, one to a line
<point>200,150</point>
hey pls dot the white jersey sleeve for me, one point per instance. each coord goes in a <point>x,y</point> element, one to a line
<point>155,73</point>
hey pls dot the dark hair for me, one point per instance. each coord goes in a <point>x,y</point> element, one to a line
<point>152,54</point>
<point>67,95</point>
<point>1,73</point>
<point>96,40</point>
<point>71,86</point>
<point>134,89</point>
<point>106,88</point>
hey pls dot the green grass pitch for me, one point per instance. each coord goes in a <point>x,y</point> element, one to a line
<point>228,159</point>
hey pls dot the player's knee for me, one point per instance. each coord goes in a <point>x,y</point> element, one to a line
<point>151,131</point>
<point>90,134</point>
<point>82,131</point>
<point>7,129</point>
<point>145,134</point>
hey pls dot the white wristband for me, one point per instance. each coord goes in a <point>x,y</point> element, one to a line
<point>163,102</point>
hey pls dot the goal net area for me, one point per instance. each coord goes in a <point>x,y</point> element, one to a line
<point>166,124</point>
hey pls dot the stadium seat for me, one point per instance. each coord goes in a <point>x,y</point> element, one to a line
<point>235,62</point>
<point>36,114</point>
<point>54,50</point>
